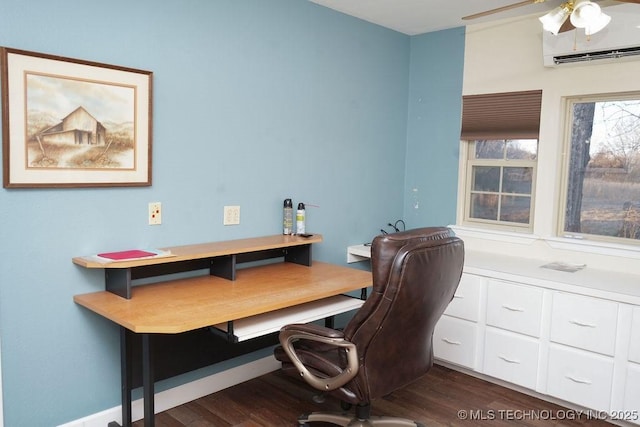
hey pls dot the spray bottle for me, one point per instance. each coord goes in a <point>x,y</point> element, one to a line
<point>287,223</point>
<point>300,219</point>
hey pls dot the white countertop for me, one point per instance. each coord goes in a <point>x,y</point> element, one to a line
<point>590,280</point>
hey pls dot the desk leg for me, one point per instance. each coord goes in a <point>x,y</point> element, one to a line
<point>126,354</point>
<point>148,381</point>
<point>125,374</point>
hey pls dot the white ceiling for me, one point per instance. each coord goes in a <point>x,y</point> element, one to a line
<point>422,16</point>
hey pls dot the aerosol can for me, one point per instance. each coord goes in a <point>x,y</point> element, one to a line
<point>300,219</point>
<point>287,223</point>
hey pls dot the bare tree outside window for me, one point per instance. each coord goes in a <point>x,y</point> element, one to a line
<point>603,170</point>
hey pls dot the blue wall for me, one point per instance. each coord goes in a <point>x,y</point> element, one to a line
<point>254,101</point>
<point>433,135</point>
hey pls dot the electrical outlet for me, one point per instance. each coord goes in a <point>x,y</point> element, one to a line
<point>231,215</point>
<point>155,213</point>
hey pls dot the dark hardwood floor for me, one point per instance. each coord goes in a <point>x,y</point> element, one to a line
<point>443,397</point>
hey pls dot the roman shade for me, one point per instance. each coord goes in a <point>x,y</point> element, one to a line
<point>509,115</point>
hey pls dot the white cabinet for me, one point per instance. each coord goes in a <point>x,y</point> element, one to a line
<point>632,383</point>
<point>465,302</point>
<point>513,317</point>
<point>514,307</point>
<point>454,340</point>
<point>632,394</point>
<point>584,322</point>
<point>634,340</point>
<point>455,335</point>
<point>581,377</point>
<point>511,357</point>
<point>542,330</point>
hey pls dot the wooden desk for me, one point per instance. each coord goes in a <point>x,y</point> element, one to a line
<point>187,304</point>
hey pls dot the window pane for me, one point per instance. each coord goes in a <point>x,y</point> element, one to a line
<point>517,180</point>
<point>515,209</point>
<point>484,206</point>
<point>485,178</point>
<point>522,149</point>
<point>489,149</point>
<point>603,194</point>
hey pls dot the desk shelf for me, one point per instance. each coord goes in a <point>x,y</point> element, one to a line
<point>220,258</point>
<point>357,253</point>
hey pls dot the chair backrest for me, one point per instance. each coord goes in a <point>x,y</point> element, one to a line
<point>415,274</point>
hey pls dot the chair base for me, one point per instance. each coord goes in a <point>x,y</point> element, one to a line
<point>347,420</point>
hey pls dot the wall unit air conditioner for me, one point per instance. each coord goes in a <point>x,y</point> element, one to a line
<point>619,40</point>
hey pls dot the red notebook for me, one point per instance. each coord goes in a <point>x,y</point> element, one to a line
<point>130,254</point>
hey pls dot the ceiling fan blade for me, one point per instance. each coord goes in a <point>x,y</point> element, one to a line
<point>509,7</point>
<point>566,26</point>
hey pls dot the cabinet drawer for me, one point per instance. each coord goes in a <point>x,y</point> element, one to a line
<point>634,341</point>
<point>511,357</point>
<point>466,301</point>
<point>580,377</point>
<point>584,322</point>
<point>454,340</point>
<point>632,394</point>
<point>514,307</point>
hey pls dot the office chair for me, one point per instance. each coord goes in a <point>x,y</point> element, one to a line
<point>388,342</point>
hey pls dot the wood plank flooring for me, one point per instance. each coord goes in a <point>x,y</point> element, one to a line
<point>443,397</point>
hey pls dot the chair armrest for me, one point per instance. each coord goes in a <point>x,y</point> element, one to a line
<point>291,333</point>
<point>310,328</point>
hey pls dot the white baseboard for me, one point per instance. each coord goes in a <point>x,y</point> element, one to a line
<point>182,394</point>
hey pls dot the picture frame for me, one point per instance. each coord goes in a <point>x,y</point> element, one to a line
<point>73,123</point>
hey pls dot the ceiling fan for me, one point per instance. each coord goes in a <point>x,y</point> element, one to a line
<point>569,15</point>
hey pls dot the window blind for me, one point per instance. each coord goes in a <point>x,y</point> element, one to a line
<point>509,115</point>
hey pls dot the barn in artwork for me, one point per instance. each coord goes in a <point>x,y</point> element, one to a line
<point>77,128</point>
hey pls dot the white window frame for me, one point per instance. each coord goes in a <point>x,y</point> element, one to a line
<point>568,103</point>
<point>467,162</point>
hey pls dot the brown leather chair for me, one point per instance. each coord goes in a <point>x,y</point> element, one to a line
<point>388,342</point>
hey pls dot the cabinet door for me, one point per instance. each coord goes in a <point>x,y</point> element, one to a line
<point>514,307</point>
<point>466,301</point>
<point>580,377</point>
<point>632,394</point>
<point>454,340</point>
<point>634,342</point>
<point>584,322</point>
<point>511,357</point>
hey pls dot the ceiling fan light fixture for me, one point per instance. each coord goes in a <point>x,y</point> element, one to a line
<point>584,13</point>
<point>553,20</point>
<point>597,24</point>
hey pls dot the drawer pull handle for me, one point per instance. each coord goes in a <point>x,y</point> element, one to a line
<point>506,359</point>
<point>578,380</point>
<point>458,296</point>
<point>584,325</point>
<point>448,341</point>
<point>508,307</point>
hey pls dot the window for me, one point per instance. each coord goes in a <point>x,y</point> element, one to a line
<point>602,173</point>
<point>500,177</point>
<point>500,151</point>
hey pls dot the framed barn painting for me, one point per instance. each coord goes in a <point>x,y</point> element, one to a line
<point>73,123</point>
